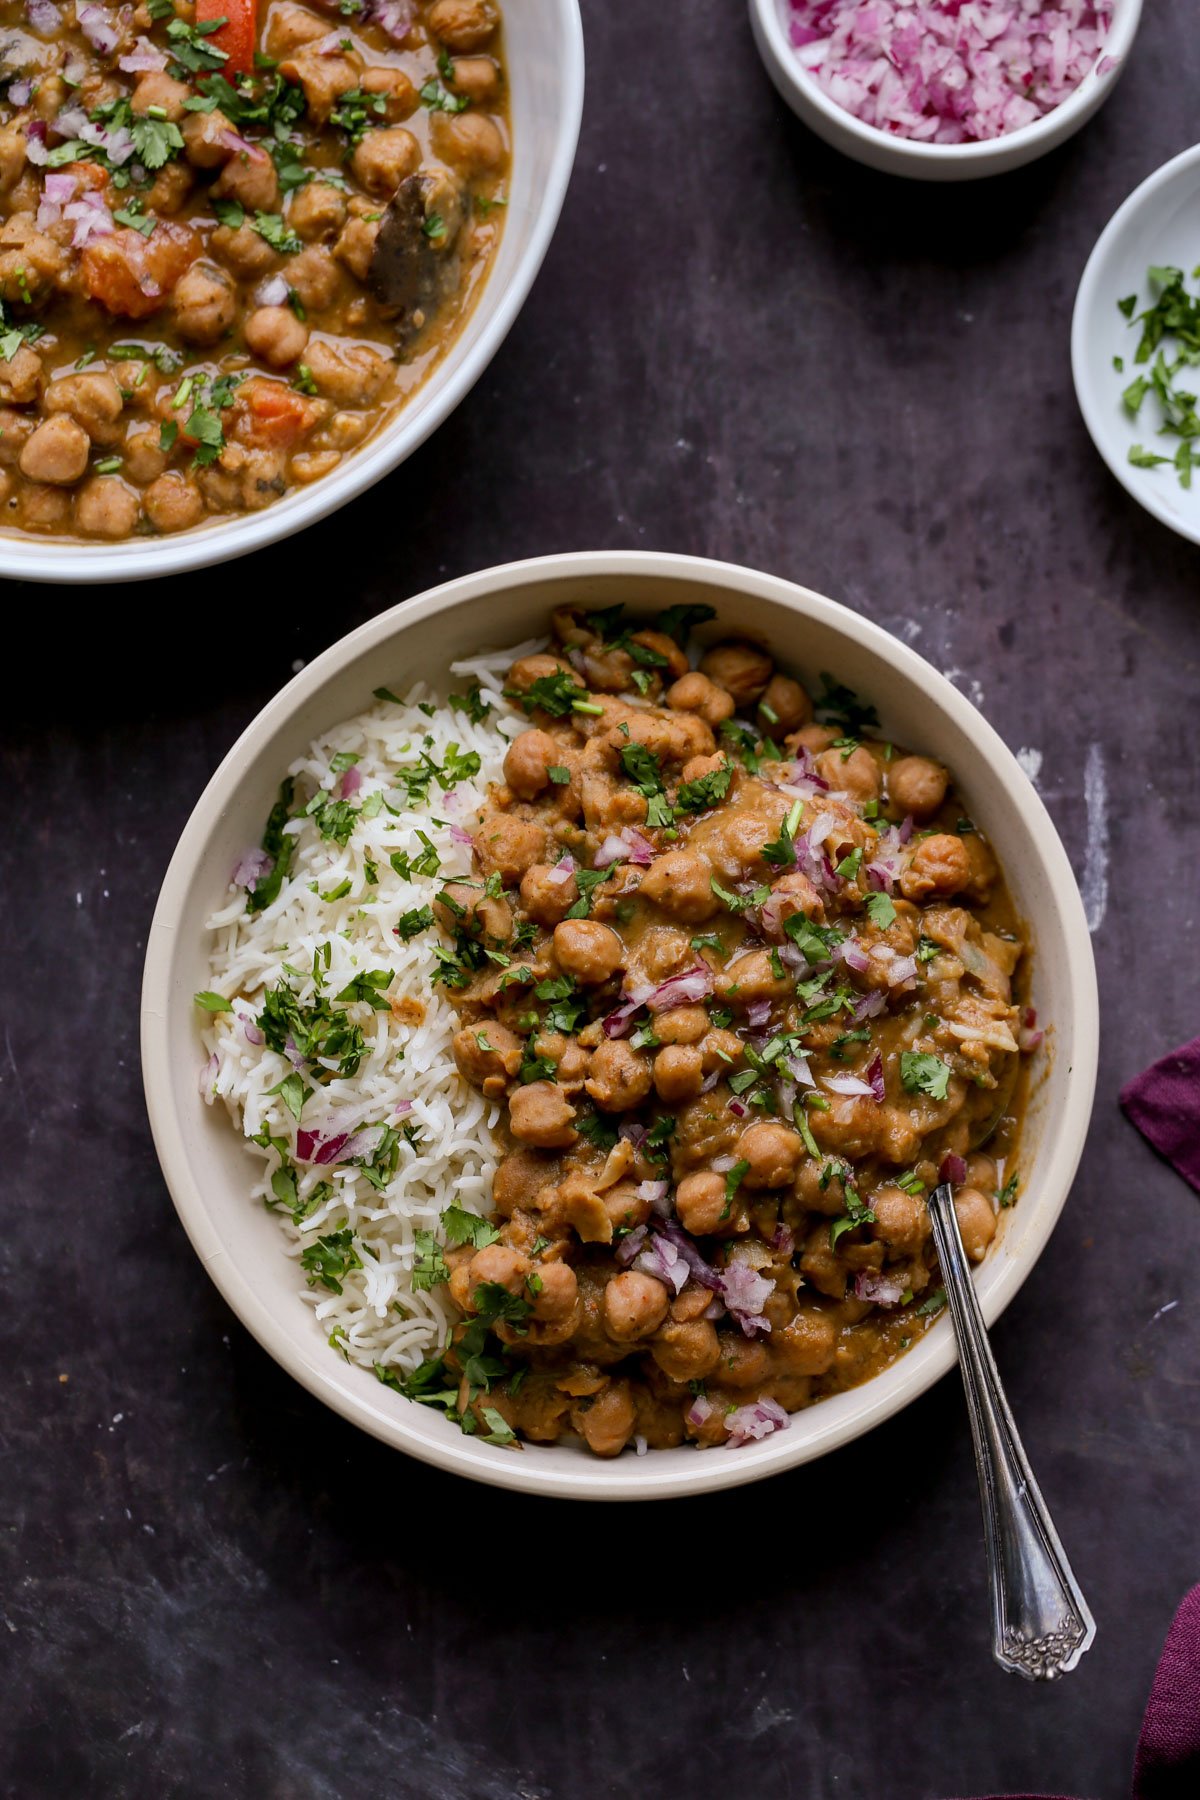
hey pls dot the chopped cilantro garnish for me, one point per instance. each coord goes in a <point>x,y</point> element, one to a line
<point>924,1074</point>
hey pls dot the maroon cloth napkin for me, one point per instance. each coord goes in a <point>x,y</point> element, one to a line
<point>1167,1766</point>
<point>1164,1104</point>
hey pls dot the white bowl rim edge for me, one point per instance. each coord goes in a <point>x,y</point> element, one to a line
<point>385,1420</point>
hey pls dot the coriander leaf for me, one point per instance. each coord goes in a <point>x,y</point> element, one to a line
<point>924,1074</point>
<point>463,1227</point>
<point>331,1258</point>
<point>279,845</point>
<point>429,1268</point>
<point>733,1181</point>
<point>213,1003</point>
<point>880,911</point>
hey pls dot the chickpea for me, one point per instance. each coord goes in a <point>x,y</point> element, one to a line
<point>788,702</point>
<point>619,1078</point>
<point>204,304</point>
<point>901,1220</point>
<point>540,1114</point>
<point>398,91</point>
<point>470,142</point>
<point>701,1204</point>
<point>57,452</point>
<point>982,1173</point>
<point>624,1206</point>
<point>546,899</point>
<point>275,334</point>
<point>663,645</point>
<point>15,430</point>
<point>93,400</point>
<point>22,377</point>
<point>694,692</point>
<point>681,1025</point>
<point>317,210</point>
<point>634,1305</point>
<point>463,24</point>
<point>498,1265</point>
<point>528,669</point>
<point>774,1153</point>
<point>558,1296</point>
<point>350,374</point>
<point>976,1221</point>
<point>248,254</point>
<point>172,503</point>
<point>856,774</point>
<point>742,669</point>
<point>313,276</point>
<point>607,1423</point>
<point>105,507</point>
<point>940,865</point>
<point>520,1180</point>
<point>529,761</point>
<point>156,89</point>
<point>587,950</point>
<point>478,77</point>
<point>144,460</point>
<point>917,785</point>
<point>681,883</point>
<point>743,1362</point>
<point>752,978</point>
<point>687,1352</point>
<point>488,1055</point>
<point>45,508</point>
<point>678,1073</point>
<point>807,1344</point>
<point>249,177</point>
<point>208,139</point>
<point>460,906</point>
<point>384,158</point>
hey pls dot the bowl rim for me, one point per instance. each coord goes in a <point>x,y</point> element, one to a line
<point>66,562</point>
<point>322,1375</point>
<point>1144,492</point>
<point>1126,20</point>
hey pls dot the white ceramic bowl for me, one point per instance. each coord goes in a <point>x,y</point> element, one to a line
<point>544,45</point>
<point>1158,224</point>
<point>206,1166</point>
<point>936,162</point>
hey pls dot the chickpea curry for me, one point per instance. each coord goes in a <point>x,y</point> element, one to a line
<point>234,237</point>
<point>747,981</point>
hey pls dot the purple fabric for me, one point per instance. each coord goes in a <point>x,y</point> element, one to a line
<point>1164,1104</point>
<point>1167,1766</point>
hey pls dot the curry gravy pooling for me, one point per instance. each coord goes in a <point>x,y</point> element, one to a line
<point>747,979</point>
<point>233,241</point>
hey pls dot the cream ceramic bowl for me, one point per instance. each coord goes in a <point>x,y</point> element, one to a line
<point>209,1173</point>
<point>544,48</point>
<point>936,162</point>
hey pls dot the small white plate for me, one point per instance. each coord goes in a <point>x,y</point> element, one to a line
<point>1158,224</point>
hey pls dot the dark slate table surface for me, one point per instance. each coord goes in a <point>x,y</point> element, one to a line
<point>745,347</point>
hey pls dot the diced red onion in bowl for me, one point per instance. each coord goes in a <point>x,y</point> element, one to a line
<point>870,1006</point>
<point>688,989</point>
<point>655,1192</point>
<point>250,1030</point>
<point>784,1239</point>
<point>854,956</point>
<point>758,1420</point>
<point>1028,1038</point>
<point>272,292</point>
<point>699,1412</point>
<point>351,780</point>
<point>460,836</point>
<point>91,219</point>
<point>144,59</point>
<point>394,17</point>
<point>953,1169</point>
<point>401,1108</point>
<point>745,1293</point>
<point>874,1074</point>
<point>661,1259</point>
<point>36,151</point>
<point>563,870</point>
<point>20,93</point>
<point>42,15</point>
<point>630,1245</point>
<point>710,1082</point>
<point>878,1288</point>
<point>739,1109</point>
<point>625,846</point>
<point>939,71</point>
<point>208,1075</point>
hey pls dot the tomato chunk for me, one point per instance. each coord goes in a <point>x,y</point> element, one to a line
<point>271,416</point>
<point>238,36</point>
<point>132,276</point>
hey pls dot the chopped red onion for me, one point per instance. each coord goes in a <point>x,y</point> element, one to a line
<point>351,780</point>
<point>870,1006</point>
<point>208,1073</point>
<point>145,58</point>
<point>653,1191</point>
<point>293,1055</point>
<point>784,1239</point>
<point>797,1067</point>
<point>723,1164</point>
<point>874,1075</point>
<point>402,1107</point>
<point>739,1109</point>
<point>250,1030</point>
<point>785,1092</point>
<point>640,1445</point>
<point>632,1134</point>
<point>98,29</point>
<point>701,1271</point>
<point>624,846</point>
<point>902,971</point>
<point>906,829</point>
<point>758,1013</point>
<point>745,1293</point>
<point>339,1146</point>
<point>35,143</point>
<point>42,16</point>
<point>758,1420</point>
<point>395,17</point>
<point>699,1412</point>
<point>59,189</point>
<point>878,1288</point>
<point>242,145</point>
<point>250,869</point>
<point>953,1169</point>
<point>944,72</point>
<point>854,956</point>
<point>20,92</point>
<point>1028,1041</point>
<point>630,1245</point>
<point>611,850</point>
<point>272,292</point>
<point>641,850</point>
<point>91,219</point>
<point>881,875</point>
<point>710,1082</point>
<point>849,1084</point>
<point>661,1258</point>
<point>563,870</point>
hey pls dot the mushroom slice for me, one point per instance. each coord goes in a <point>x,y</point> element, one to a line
<point>415,262</point>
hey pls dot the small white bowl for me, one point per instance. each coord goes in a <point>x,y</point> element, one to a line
<point>936,162</point>
<point>205,1163</point>
<point>544,49</point>
<point>1158,224</point>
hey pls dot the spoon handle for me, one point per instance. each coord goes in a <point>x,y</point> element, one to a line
<point>1041,1624</point>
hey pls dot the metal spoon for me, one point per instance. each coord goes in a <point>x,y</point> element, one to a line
<point>1041,1624</point>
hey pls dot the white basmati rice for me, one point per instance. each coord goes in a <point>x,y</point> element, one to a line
<point>407,1077</point>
